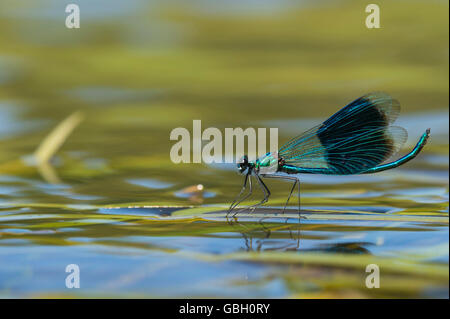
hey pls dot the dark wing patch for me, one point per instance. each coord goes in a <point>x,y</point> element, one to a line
<point>354,139</point>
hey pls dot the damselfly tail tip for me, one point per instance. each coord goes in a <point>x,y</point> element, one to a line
<point>427,134</point>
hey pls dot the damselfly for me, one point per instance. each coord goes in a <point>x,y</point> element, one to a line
<point>355,140</point>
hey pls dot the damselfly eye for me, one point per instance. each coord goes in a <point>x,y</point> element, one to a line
<point>242,164</point>
<point>243,160</point>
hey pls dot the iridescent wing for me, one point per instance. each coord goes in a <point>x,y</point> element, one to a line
<point>358,137</point>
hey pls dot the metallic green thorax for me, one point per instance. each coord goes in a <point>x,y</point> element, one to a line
<point>266,161</point>
<point>267,164</point>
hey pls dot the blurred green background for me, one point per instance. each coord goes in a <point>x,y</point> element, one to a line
<point>138,69</point>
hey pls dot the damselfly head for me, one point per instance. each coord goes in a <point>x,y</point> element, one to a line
<point>243,164</point>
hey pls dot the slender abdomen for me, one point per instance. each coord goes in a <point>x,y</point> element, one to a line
<point>290,169</point>
<point>416,150</point>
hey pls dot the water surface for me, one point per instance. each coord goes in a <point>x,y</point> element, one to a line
<point>138,225</point>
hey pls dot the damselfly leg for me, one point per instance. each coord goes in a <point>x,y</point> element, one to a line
<point>237,201</point>
<point>265,191</point>
<point>296,183</point>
